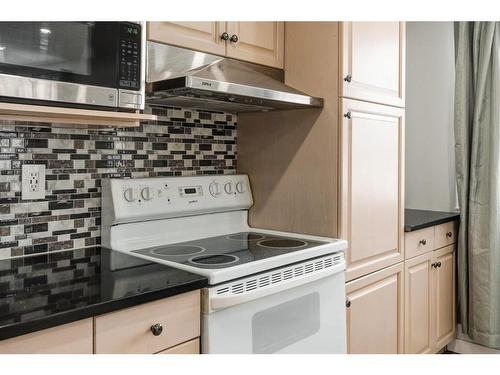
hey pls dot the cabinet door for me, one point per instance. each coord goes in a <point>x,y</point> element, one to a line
<point>371,199</point>
<point>418,301</point>
<point>71,338</point>
<point>375,312</point>
<point>373,61</point>
<point>200,36</point>
<point>258,42</point>
<point>444,298</point>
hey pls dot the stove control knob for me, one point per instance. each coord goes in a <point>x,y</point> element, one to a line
<point>240,187</point>
<point>128,194</point>
<point>228,187</point>
<point>214,189</point>
<point>146,194</point>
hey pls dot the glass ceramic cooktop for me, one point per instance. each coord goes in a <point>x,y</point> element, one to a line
<point>229,250</point>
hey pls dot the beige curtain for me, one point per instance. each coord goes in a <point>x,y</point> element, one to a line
<point>477,151</point>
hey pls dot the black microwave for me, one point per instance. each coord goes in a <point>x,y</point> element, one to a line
<point>80,64</point>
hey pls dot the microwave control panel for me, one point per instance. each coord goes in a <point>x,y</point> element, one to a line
<point>129,56</point>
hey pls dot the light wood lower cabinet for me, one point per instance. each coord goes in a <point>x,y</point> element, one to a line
<point>71,338</point>
<point>129,330</point>
<point>444,288</point>
<point>418,302</point>
<point>190,347</point>
<point>375,312</point>
<point>430,301</point>
<point>371,197</point>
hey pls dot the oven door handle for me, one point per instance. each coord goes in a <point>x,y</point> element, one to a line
<point>219,302</point>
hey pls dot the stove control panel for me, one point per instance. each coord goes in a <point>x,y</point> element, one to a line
<point>167,197</point>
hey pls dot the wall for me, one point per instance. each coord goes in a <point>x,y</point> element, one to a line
<point>430,162</point>
<point>181,142</point>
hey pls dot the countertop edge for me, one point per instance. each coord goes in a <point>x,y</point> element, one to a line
<point>431,223</point>
<point>58,319</point>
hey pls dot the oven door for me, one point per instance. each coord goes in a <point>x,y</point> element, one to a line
<point>308,318</point>
<point>69,62</point>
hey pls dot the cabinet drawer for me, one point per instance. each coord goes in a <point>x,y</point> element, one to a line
<point>129,330</point>
<point>71,338</point>
<point>445,234</point>
<point>190,347</point>
<point>419,242</point>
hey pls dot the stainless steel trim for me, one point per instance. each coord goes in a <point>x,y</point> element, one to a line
<point>181,77</point>
<point>252,91</point>
<point>57,91</point>
<point>144,53</point>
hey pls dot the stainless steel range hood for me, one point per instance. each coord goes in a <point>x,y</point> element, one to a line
<point>184,78</point>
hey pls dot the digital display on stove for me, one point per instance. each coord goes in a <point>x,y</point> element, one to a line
<point>189,190</point>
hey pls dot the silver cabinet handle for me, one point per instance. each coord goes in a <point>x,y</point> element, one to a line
<point>234,38</point>
<point>348,115</point>
<point>449,234</point>
<point>423,242</point>
<point>348,78</point>
<point>224,36</point>
<point>347,303</point>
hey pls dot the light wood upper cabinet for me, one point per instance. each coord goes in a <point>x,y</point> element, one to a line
<point>375,312</point>
<point>418,301</point>
<point>201,36</point>
<point>258,42</point>
<point>371,198</point>
<point>71,338</point>
<point>373,62</point>
<point>444,289</point>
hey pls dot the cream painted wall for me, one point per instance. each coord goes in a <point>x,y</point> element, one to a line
<point>430,168</point>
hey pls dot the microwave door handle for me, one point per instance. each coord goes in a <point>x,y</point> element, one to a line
<point>224,301</point>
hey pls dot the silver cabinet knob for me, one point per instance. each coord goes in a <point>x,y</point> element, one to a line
<point>224,36</point>
<point>348,78</point>
<point>156,329</point>
<point>348,115</point>
<point>234,38</point>
<point>347,303</point>
<point>423,242</point>
<point>449,234</point>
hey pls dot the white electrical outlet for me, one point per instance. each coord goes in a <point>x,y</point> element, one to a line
<point>33,177</point>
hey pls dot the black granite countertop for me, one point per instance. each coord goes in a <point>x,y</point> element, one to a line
<point>419,219</point>
<point>42,291</point>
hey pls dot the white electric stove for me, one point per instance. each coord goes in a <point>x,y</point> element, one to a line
<point>270,292</point>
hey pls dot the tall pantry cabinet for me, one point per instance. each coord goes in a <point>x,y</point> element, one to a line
<point>338,171</point>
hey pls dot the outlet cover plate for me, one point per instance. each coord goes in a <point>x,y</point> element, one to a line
<point>33,181</point>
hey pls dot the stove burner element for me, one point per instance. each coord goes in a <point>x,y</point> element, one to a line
<point>214,259</point>
<point>283,243</point>
<point>246,237</point>
<point>177,250</point>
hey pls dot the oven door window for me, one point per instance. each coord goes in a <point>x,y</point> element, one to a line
<point>76,52</point>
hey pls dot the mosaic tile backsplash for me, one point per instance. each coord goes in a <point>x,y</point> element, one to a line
<point>181,142</point>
